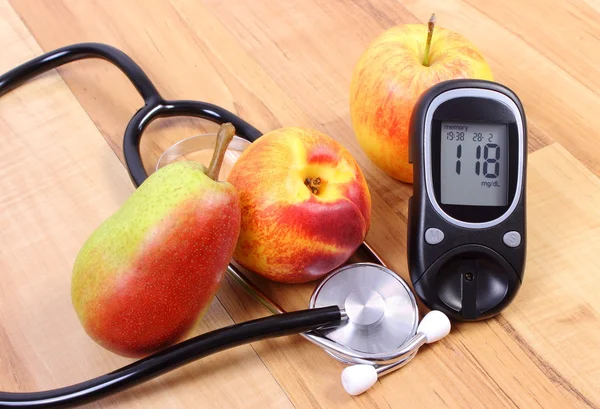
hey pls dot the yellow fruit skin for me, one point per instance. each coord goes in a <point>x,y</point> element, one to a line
<point>289,234</point>
<point>390,77</point>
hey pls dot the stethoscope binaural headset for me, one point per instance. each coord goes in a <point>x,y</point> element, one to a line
<point>362,314</point>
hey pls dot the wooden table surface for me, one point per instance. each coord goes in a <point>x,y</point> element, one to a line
<point>288,63</point>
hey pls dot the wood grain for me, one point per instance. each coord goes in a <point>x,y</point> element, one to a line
<point>289,63</point>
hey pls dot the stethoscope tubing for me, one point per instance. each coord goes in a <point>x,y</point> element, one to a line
<point>337,351</point>
<point>159,108</point>
<point>175,357</point>
<point>155,106</point>
<point>53,59</point>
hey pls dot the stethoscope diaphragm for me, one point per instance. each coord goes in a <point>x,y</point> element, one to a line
<point>382,311</point>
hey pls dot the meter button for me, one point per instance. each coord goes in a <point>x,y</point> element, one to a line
<point>512,239</point>
<point>435,236</point>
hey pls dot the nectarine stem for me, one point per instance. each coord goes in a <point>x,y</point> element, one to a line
<point>313,184</point>
<point>430,27</point>
<point>224,137</point>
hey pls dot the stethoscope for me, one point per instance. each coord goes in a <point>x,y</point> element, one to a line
<point>362,314</point>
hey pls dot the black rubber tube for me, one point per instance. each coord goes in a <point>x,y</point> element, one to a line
<point>75,52</point>
<point>174,357</point>
<point>155,106</point>
<point>163,109</point>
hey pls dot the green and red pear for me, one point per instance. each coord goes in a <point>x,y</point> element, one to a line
<point>145,277</point>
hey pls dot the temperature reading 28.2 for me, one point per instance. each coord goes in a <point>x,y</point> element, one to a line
<point>474,163</point>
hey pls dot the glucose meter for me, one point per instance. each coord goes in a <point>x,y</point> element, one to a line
<point>466,229</point>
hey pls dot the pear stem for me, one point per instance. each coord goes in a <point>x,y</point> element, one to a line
<point>430,27</point>
<point>224,137</point>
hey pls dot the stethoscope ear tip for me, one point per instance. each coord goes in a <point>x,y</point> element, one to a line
<point>357,379</point>
<point>435,325</point>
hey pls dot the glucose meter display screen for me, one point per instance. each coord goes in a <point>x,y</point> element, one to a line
<point>474,164</point>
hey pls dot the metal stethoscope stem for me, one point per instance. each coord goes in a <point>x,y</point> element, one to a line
<point>386,362</point>
<point>365,368</point>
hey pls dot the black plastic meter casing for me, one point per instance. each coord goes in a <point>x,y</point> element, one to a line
<point>471,274</point>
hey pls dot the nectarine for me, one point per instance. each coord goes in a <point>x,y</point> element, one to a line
<point>305,203</point>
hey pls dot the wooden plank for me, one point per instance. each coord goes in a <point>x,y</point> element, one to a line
<point>59,179</point>
<point>557,316</point>
<point>289,63</point>
<point>330,39</point>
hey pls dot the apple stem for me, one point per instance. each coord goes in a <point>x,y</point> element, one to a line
<point>430,27</point>
<point>224,137</point>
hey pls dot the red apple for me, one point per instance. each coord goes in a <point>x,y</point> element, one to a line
<point>305,204</point>
<point>391,75</point>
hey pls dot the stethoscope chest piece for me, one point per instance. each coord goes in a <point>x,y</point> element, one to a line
<point>382,311</point>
